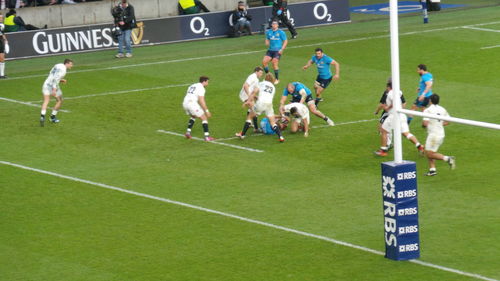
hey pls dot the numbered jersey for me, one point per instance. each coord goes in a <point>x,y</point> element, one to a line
<point>56,74</point>
<point>194,92</point>
<point>435,126</point>
<point>266,92</point>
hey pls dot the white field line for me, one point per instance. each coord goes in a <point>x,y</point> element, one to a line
<point>260,51</point>
<point>224,214</point>
<point>315,127</point>
<point>490,47</point>
<point>214,142</point>
<point>481,29</point>
<point>28,103</point>
<point>344,123</point>
<point>122,92</point>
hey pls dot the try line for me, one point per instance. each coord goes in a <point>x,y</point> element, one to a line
<point>229,215</point>
<point>260,51</point>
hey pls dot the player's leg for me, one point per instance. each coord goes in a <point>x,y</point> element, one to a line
<point>190,127</point>
<point>294,125</point>
<point>276,67</point>
<point>319,90</point>
<point>384,131</point>
<point>265,63</point>
<point>2,65</point>
<point>414,140</point>
<point>45,104</point>
<point>432,145</point>
<point>289,25</point>
<point>247,125</point>
<point>206,132</point>
<point>276,128</point>
<point>312,107</point>
<point>59,101</point>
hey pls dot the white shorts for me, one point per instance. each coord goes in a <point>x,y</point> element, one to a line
<point>299,120</point>
<point>243,96</point>
<point>387,125</point>
<point>266,108</point>
<point>433,142</point>
<point>193,109</point>
<point>47,91</point>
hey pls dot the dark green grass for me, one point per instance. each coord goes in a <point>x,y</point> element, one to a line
<point>327,184</point>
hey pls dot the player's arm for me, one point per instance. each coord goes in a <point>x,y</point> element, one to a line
<point>267,42</point>
<point>283,47</point>
<point>306,127</point>
<point>379,107</point>
<point>246,88</point>
<point>425,123</point>
<point>303,93</point>
<point>251,97</point>
<point>203,104</point>
<point>337,70</point>
<point>428,86</point>
<point>282,104</point>
<point>308,64</point>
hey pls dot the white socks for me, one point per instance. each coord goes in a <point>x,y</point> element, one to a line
<point>2,68</point>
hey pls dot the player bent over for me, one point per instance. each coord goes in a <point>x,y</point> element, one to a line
<point>247,89</point>
<point>195,106</point>
<point>435,136</point>
<point>299,113</point>
<point>302,94</point>
<point>264,104</point>
<point>51,88</point>
<point>325,75</point>
<point>276,41</point>
<point>387,126</point>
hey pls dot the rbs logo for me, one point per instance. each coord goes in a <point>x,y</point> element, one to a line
<point>407,176</point>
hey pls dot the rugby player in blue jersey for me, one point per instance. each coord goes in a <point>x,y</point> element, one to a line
<point>424,90</point>
<point>300,93</point>
<point>277,41</point>
<point>325,75</point>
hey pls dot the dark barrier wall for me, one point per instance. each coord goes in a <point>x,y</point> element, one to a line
<point>165,30</point>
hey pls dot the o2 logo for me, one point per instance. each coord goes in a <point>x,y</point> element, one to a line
<point>321,12</point>
<point>201,28</point>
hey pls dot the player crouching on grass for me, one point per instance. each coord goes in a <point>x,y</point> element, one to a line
<point>299,115</point>
<point>387,125</point>
<point>51,88</point>
<point>435,136</point>
<point>195,106</point>
<point>264,104</point>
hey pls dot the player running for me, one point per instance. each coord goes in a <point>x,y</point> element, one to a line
<point>264,104</point>
<point>299,114</point>
<point>195,106</point>
<point>385,114</point>
<point>387,126</point>
<point>302,94</point>
<point>276,41</point>
<point>247,89</point>
<point>424,89</point>
<point>435,136</point>
<point>51,88</point>
<point>325,76</point>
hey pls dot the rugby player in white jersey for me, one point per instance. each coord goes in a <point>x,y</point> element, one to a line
<point>435,135</point>
<point>264,104</point>
<point>194,105</point>
<point>299,114</point>
<point>51,88</point>
<point>247,89</point>
<point>387,126</point>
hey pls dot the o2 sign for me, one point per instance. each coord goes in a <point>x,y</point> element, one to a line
<point>201,28</point>
<point>320,11</point>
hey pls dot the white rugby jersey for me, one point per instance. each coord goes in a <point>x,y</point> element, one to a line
<point>390,100</point>
<point>302,110</point>
<point>253,83</point>
<point>193,92</point>
<point>56,74</point>
<point>266,92</point>
<point>435,126</point>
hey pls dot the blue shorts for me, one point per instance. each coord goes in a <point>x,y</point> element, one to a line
<point>323,83</point>
<point>273,54</point>
<point>308,99</point>
<point>423,103</point>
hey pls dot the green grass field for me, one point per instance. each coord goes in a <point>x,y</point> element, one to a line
<point>328,185</point>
